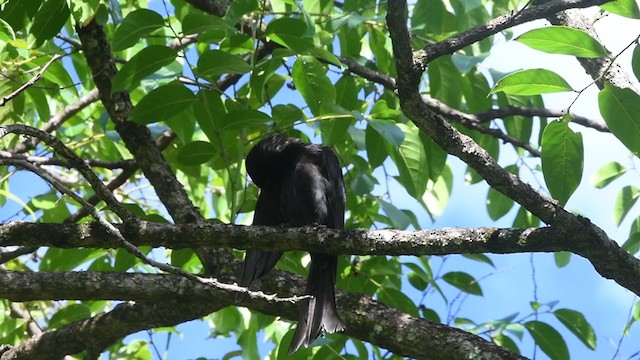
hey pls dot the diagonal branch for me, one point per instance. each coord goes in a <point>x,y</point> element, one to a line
<point>463,147</point>
<point>136,137</point>
<point>61,149</point>
<point>449,46</point>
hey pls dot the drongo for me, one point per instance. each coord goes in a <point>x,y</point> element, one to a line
<point>300,184</point>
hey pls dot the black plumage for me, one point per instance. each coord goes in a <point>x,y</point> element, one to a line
<point>300,184</point>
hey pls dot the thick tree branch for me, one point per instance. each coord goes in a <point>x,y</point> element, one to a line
<point>449,46</point>
<point>463,147</point>
<point>136,137</point>
<point>366,319</point>
<point>607,257</point>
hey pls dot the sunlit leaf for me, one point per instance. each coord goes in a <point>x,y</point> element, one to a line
<point>194,23</point>
<point>548,339</point>
<point>562,160</point>
<point>531,82</point>
<point>626,8</point>
<point>562,258</point>
<point>578,325</point>
<point>625,200</point>
<point>607,173</point>
<point>619,108</point>
<point>563,40</point>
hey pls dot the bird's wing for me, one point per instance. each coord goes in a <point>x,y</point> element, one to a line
<point>258,262</point>
<point>335,191</point>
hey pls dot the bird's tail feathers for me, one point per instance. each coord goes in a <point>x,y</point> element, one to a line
<point>318,313</point>
<point>256,264</point>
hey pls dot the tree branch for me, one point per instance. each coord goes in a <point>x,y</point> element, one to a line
<point>42,160</point>
<point>449,46</point>
<point>366,319</point>
<point>463,147</point>
<point>607,257</point>
<point>5,99</point>
<point>61,149</point>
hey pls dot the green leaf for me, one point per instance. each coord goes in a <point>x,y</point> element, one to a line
<point>162,103</point>
<point>244,119</point>
<point>620,109</point>
<point>217,62</point>
<point>289,32</point>
<point>198,23</point>
<point>444,81</point>
<point>399,219</point>
<point>67,259</point>
<point>69,314</point>
<point>578,325</point>
<point>136,25</point>
<point>635,61</point>
<point>438,193</point>
<point>411,160</point>
<point>417,277</point>
<point>506,342</point>
<point>6,32</point>
<point>398,300</point>
<point>311,80</point>
<point>480,258</point>
<point>146,62</point>
<point>626,8</point>
<point>562,160</point>
<point>549,340</point>
<point>498,204</point>
<point>463,281</point>
<point>531,82</point>
<point>625,200</point>
<point>49,20</point>
<point>562,258</point>
<point>563,40</point>
<point>197,152</point>
<point>388,130</point>
<point>607,173</point>
<point>225,321</point>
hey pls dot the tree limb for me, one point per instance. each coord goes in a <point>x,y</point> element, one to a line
<point>449,46</point>
<point>366,319</point>
<point>611,261</point>
<point>463,147</point>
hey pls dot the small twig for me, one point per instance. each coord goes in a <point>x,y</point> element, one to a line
<point>42,160</point>
<point>61,149</point>
<point>10,255</point>
<point>32,81</point>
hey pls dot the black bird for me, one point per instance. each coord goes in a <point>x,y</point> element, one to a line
<point>300,184</point>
